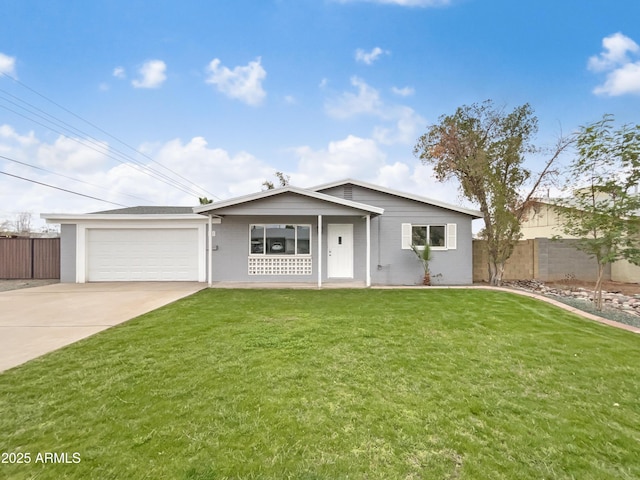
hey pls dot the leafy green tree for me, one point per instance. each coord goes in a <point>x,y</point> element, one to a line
<point>484,149</point>
<point>602,206</point>
<point>204,200</point>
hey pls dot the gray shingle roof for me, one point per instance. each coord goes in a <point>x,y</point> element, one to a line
<point>147,210</point>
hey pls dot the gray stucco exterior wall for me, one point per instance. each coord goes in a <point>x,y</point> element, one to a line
<point>287,204</point>
<point>392,265</point>
<point>231,248</point>
<point>68,253</point>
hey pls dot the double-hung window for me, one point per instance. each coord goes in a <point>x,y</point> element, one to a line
<point>280,239</point>
<point>432,235</point>
<point>438,237</point>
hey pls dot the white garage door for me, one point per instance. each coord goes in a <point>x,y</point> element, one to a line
<point>154,254</point>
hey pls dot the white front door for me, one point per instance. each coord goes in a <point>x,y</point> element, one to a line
<point>340,250</point>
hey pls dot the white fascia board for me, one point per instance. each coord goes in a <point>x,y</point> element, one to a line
<point>64,218</point>
<point>397,193</point>
<point>278,191</point>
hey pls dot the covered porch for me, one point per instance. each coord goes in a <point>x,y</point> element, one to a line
<point>289,236</point>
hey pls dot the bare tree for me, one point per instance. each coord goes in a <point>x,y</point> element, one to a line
<point>6,226</point>
<point>23,223</point>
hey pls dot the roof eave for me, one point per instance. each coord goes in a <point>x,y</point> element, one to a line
<point>289,189</point>
<point>88,217</point>
<point>410,196</point>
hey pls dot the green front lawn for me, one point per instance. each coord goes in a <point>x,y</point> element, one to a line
<point>334,384</point>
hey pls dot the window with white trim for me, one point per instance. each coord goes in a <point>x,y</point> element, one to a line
<point>438,237</point>
<point>279,239</point>
<point>432,235</point>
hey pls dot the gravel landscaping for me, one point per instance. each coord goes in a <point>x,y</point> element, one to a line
<point>617,306</point>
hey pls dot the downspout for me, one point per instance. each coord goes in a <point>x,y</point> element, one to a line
<point>319,251</point>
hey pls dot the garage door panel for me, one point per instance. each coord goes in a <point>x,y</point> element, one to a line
<point>142,254</point>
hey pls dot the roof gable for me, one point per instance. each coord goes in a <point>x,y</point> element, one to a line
<point>216,207</point>
<point>410,196</point>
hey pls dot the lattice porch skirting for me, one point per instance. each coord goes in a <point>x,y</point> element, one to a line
<point>280,265</point>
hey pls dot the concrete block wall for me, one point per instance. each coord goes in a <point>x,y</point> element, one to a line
<point>520,266</point>
<point>541,259</point>
<point>561,260</point>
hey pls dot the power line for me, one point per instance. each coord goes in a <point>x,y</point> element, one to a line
<point>62,189</point>
<point>101,130</point>
<point>100,148</point>
<point>202,189</point>
<point>71,178</point>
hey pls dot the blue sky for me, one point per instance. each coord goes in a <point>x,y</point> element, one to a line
<point>224,94</point>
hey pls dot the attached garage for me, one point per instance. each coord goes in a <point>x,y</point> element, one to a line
<point>142,254</point>
<point>136,244</point>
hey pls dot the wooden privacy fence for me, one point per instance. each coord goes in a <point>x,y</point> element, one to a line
<point>26,258</point>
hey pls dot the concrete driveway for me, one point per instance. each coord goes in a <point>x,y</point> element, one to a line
<point>34,321</point>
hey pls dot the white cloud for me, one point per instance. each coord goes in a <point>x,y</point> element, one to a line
<point>623,80</point>
<point>243,83</point>
<point>405,3</point>
<point>68,155</point>
<point>406,128</point>
<point>218,171</point>
<point>365,101</point>
<point>152,74</point>
<point>404,91</point>
<point>62,156</point>
<point>369,57</point>
<point>215,169</point>
<point>394,176</point>
<point>363,159</point>
<point>119,72</point>
<point>419,180</point>
<point>8,135</point>
<point>616,48</point>
<point>7,64</point>
<point>401,123</point>
<point>623,73</point>
<point>352,157</point>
